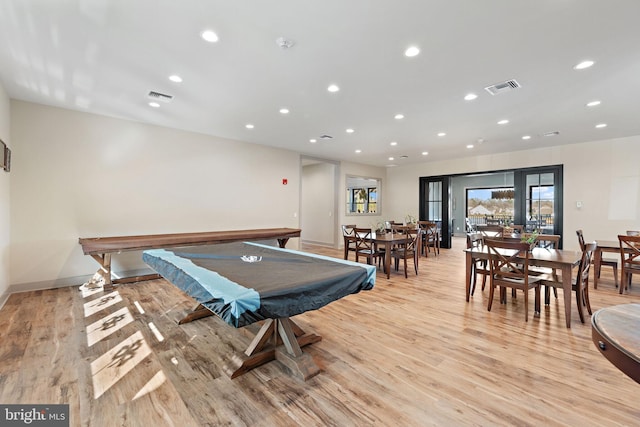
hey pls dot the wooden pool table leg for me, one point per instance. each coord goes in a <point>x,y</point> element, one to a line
<point>279,339</point>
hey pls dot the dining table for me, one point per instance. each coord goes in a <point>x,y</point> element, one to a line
<point>563,260</point>
<point>388,240</point>
<point>616,334</point>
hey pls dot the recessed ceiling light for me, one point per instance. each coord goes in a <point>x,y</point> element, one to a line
<point>333,88</point>
<point>425,153</point>
<point>593,103</point>
<point>412,51</point>
<point>284,43</point>
<point>583,65</point>
<point>393,143</point>
<point>154,105</point>
<point>470,146</point>
<point>350,130</point>
<point>284,111</point>
<point>525,137</point>
<point>358,151</point>
<point>312,140</point>
<point>209,36</point>
<point>399,116</point>
<point>391,158</point>
<point>442,134</point>
<point>249,126</point>
<point>601,125</point>
<point>503,122</point>
<point>470,97</point>
<point>175,78</point>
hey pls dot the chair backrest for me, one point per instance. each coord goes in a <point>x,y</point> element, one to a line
<point>429,229</point>
<point>580,239</point>
<point>509,261</point>
<point>549,241</point>
<point>491,231</point>
<point>630,250</point>
<point>413,240</point>
<point>402,229</point>
<point>515,228</point>
<point>363,239</point>
<point>348,230</point>
<point>585,264</point>
<point>470,227</point>
<point>474,240</point>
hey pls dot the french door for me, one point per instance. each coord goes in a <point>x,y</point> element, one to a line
<point>539,199</point>
<point>434,205</point>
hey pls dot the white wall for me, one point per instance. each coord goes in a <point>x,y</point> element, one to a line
<point>82,175</point>
<point>318,203</point>
<point>5,199</point>
<point>603,175</point>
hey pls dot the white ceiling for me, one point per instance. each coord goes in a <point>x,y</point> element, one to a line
<point>104,56</point>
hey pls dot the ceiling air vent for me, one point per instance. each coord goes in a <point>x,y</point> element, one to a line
<point>326,137</point>
<point>507,86</point>
<point>554,133</point>
<point>157,96</point>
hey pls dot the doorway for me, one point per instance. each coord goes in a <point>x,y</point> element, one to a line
<point>537,198</point>
<point>318,201</point>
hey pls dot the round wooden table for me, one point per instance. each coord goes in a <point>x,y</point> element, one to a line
<point>616,332</point>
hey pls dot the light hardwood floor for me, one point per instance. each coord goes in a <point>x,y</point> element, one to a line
<point>409,352</point>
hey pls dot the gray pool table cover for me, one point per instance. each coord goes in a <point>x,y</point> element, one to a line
<point>245,282</point>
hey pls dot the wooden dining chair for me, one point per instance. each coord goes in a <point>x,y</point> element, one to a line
<point>546,241</point>
<point>581,283</point>
<point>493,221</point>
<point>479,266</point>
<point>509,268</point>
<point>630,256</point>
<point>349,237</point>
<point>409,249</point>
<point>491,231</point>
<point>365,247</point>
<point>430,237</point>
<point>606,262</point>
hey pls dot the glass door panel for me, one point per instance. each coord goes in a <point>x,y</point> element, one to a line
<point>540,202</point>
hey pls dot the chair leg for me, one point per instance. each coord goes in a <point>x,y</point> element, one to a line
<point>526,304</point>
<point>547,295</point>
<point>491,290</point>
<point>579,303</point>
<point>586,299</point>
<point>405,267</point>
<point>474,278</point>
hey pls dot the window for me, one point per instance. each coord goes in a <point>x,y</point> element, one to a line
<point>490,205</point>
<point>363,196</point>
